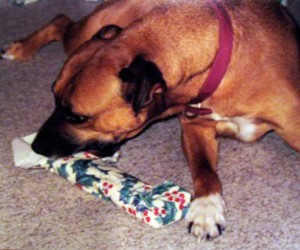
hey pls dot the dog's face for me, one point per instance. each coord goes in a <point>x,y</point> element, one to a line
<point>99,105</point>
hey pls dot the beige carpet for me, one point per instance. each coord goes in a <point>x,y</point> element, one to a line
<point>39,210</point>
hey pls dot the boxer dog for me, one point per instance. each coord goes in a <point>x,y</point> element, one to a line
<point>225,68</point>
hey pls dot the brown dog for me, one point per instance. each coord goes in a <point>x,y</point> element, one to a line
<point>114,84</point>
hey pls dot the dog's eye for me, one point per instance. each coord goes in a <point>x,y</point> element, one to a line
<point>75,119</point>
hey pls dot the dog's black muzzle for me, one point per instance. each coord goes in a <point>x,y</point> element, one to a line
<point>53,141</point>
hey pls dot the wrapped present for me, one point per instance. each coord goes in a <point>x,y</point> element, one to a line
<point>156,206</point>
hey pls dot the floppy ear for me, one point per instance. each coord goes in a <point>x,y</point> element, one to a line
<point>142,80</point>
<point>108,32</point>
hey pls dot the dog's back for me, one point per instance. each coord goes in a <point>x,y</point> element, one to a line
<point>186,31</point>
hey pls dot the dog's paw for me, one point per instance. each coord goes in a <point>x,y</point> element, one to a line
<point>206,217</point>
<point>15,51</point>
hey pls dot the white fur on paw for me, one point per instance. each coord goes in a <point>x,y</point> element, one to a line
<point>206,217</point>
<point>8,56</point>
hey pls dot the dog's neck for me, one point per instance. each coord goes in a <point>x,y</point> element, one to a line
<point>195,85</point>
<point>219,66</point>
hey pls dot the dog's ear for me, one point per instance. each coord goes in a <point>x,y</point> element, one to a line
<point>142,80</point>
<point>108,33</point>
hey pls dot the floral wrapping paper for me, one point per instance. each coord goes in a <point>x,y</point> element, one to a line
<point>156,206</point>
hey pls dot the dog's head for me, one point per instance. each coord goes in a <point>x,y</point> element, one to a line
<point>101,102</point>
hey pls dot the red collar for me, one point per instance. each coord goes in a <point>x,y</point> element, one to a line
<point>220,64</point>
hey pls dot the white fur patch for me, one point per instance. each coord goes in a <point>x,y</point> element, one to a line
<point>207,215</point>
<point>216,117</point>
<point>244,128</point>
<point>247,128</point>
<point>8,57</point>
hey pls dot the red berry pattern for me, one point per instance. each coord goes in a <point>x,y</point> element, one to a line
<point>79,186</point>
<point>178,198</point>
<point>107,187</point>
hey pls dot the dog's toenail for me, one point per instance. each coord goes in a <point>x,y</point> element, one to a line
<point>2,52</point>
<point>220,229</point>
<point>190,227</point>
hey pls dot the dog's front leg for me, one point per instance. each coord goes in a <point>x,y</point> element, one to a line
<point>206,216</point>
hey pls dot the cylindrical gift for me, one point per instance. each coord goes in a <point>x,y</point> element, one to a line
<point>156,206</point>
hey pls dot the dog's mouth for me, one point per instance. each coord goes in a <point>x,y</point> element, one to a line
<point>96,148</point>
<point>100,149</point>
<point>54,141</point>
<point>54,145</point>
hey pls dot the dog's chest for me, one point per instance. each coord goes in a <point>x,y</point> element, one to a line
<point>242,128</point>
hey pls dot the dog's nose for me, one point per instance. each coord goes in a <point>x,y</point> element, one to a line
<point>39,149</point>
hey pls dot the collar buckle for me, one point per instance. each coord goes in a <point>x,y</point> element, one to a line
<point>195,109</point>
